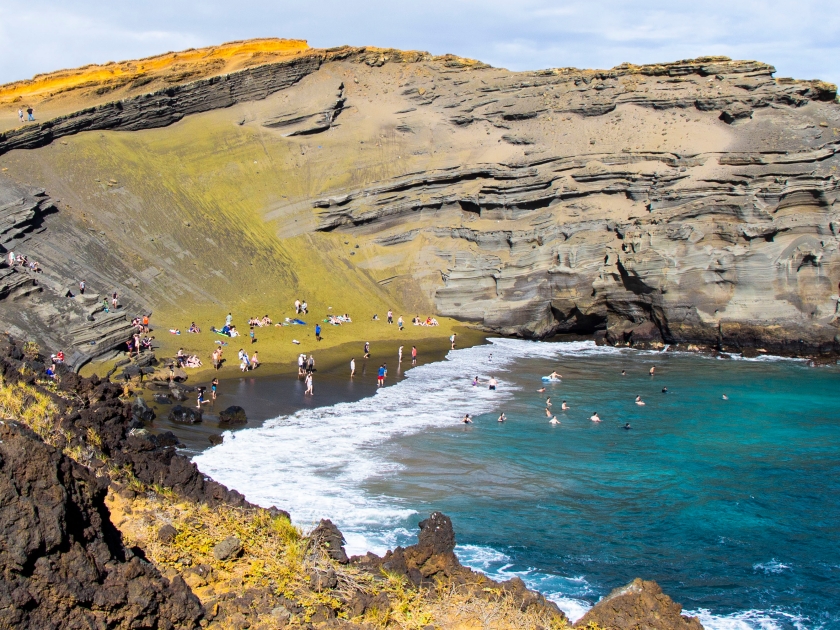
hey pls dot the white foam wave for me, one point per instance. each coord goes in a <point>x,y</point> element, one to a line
<point>752,620</point>
<point>313,462</point>
<point>499,566</point>
<point>773,566</point>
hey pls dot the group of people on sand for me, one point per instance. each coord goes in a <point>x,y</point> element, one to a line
<point>30,114</point>
<point>184,360</point>
<point>247,363</point>
<point>259,322</point>
<point>301,307</point>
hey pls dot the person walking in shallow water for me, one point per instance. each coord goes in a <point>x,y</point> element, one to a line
<point>308,382</point>
<point>352,366</point>
<point>413,355</point>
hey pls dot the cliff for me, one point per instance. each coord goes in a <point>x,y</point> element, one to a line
<point>692,202</point>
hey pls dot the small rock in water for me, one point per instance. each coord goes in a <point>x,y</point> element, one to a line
<point>233,415</point>
<point>184,415</point>
<point>215,440</point>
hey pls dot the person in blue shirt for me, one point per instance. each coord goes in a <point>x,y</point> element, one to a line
<point>380,379</point>
<point>318,332</point>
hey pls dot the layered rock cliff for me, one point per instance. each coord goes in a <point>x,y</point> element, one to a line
<point>689,202</point>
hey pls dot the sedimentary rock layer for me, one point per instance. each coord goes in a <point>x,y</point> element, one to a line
<point>689,202</point>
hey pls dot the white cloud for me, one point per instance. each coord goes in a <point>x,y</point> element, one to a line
<point>801,38</point>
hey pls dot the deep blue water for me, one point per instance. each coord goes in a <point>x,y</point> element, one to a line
<point>733,506</point>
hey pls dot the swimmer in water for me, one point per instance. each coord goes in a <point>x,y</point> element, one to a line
<point>502,417</point>
<point>547,412</point>
<point>639,401</point>
<point>725,397</point>
<point>554,420</point>
<point>466,419</point>
<point>624,372</point>
<point>627,426</point>
<point>475,381</point>
<point>555,376</point>
<point>664,390</point>
<point>652,370</point>
<point>492,383</point>
<point>564,406</point>
<point>595,417</point>
<point>541,390</point>
<point>548,402</point>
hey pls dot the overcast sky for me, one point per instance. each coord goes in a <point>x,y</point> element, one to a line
<point>801,38</point>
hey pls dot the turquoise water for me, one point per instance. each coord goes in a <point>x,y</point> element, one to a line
<point>733,506</point>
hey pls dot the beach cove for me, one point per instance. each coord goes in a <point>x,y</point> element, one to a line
<point>705,495</point>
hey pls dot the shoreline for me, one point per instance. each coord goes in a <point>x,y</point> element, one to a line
<point>274,390</point>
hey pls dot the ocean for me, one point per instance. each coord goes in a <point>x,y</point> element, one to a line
<point>732,506</point>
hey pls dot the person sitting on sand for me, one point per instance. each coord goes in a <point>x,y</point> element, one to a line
<point>466,419</point>
<point>194,328</point>
<point>639,401</point>
<point>595,418</point>
<point>564,406</point>
<point>554,420</point>
<point>233,332</point>
<point>502,417</point>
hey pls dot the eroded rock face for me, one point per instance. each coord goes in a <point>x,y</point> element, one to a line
<point>63,563</point>
<point>688,202</point>
<point>640,605</point>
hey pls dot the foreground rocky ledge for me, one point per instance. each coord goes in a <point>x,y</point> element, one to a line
<point>104,525</point>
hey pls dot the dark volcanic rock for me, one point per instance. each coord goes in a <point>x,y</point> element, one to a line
<point>233,415</point>
<point>639,605</point>
<point>141,410</point>
<point>185,415</point>
<point>63,562</point>
<point>330,538</point>
<point>230,547</point>
<point>215,440</point>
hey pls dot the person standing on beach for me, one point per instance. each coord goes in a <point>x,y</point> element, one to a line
<point>400,322</point>
<point>228,320</point>
<point>318,332</point>
<point>367,350</point>
<point>114,300</point>
<point>31,113</point>
<point>413,355</point>
<point>297,307</point>
<point>390,316</point>
<point>352,366</point>
<point>20,116</point>
<point>452,341</point>
<point>308,382</point>
<point>82,286</point>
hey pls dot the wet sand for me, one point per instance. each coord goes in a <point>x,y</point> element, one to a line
<point>275,390</point>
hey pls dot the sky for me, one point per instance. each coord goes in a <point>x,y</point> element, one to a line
<point>800,38</point>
